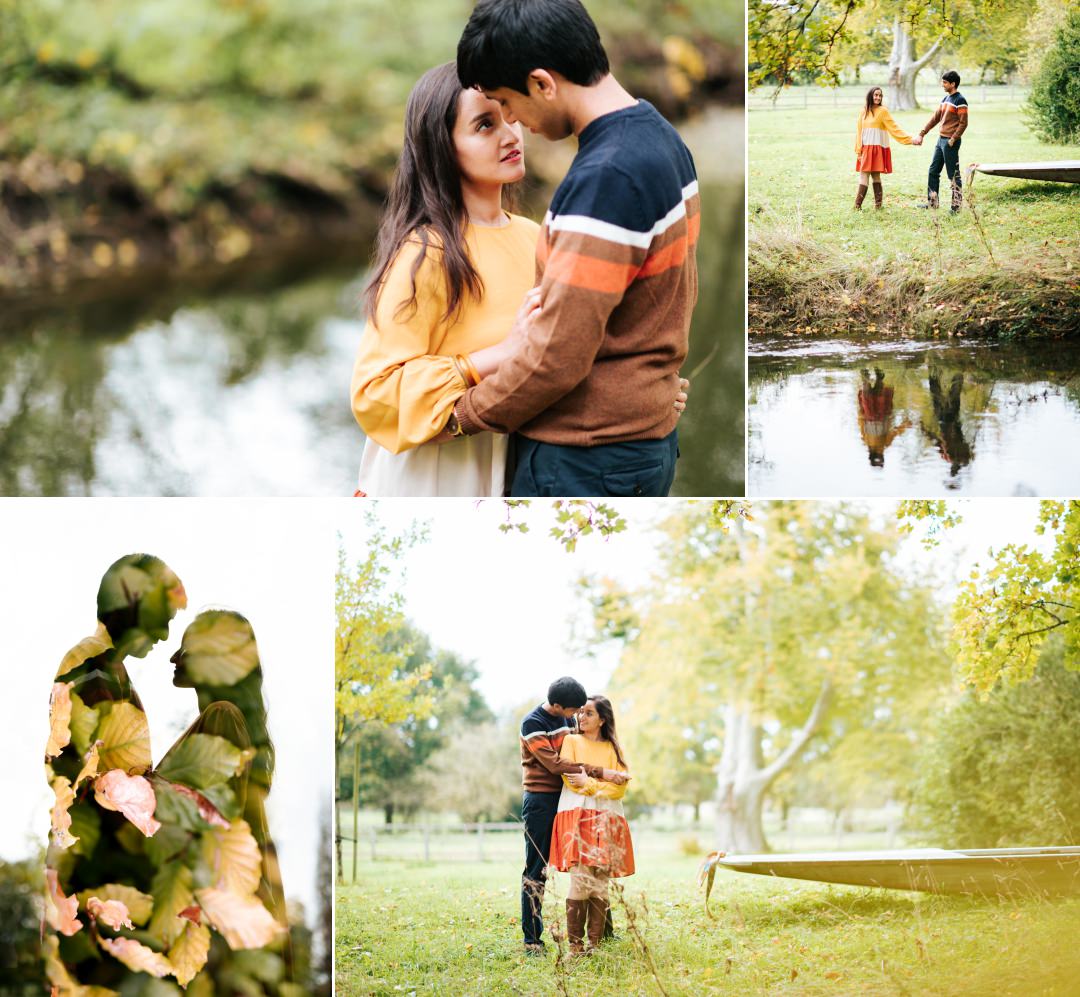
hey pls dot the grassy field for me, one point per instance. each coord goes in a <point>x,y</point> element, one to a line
<point>453,929</point>
<point>808,246</point>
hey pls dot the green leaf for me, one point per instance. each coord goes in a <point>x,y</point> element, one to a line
<point>219,649</point>
<point>140,905</point>
<point>86,826</point>
<point>203,760</point>
<point>83,721</point>
<point>172,893</point>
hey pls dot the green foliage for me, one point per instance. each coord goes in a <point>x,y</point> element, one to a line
<point>1054,104</point>
<point>20,927</point>
<point>1005,612</point>
<point>476,774</point>
<point>372,681</point>
<point>1004,770</point>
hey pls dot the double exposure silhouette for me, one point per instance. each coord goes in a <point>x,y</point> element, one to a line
<point>161,877</point>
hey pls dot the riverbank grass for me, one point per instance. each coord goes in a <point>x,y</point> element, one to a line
<point>453,929</point>
<point>1010,267</point>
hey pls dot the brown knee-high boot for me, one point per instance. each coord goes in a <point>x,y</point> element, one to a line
<point>879,196</point>
<point>575,925</point>
<point>598,908</point>
<point>859,195</point>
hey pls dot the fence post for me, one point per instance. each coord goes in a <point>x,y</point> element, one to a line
<point>374,832</point>
<point>356,807</point>
<point>427,843</point>
<point>480,842</point>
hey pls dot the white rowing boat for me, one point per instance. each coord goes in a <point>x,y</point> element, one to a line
<point>986,871</point>
<point>1062,171</point>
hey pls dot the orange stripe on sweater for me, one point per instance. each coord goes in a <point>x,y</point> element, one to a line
<point>672,255</point>
<point>589,273</point>
<point>539,742</point>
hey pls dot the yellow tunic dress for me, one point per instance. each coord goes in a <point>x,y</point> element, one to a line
<point>404,382</point>
<point>872,152</point>
<point>590,827</point>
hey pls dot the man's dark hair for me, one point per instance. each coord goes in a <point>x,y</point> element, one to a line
<point>567,692</point>
<point>952,76</point>
<point>505,40</point>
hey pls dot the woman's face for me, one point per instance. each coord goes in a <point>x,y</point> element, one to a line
<point>877,96</point>
<point>588,720</point>
<point>489,149</point>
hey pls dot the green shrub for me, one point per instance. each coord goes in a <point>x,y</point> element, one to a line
<point>1053,109</point>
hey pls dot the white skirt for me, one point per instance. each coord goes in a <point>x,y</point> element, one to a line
<point>473,466</point>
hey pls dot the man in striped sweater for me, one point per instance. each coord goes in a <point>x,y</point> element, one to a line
<point>590,394</point>
<point>952,117</point>
<point>542,733</point>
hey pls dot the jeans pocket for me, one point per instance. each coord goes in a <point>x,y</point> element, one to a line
<point>648,479</point>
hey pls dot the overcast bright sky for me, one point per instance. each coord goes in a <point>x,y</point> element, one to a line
<point>271,560</point>
<point>506,601</point>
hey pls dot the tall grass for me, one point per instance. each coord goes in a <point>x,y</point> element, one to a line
<point>453,929</point>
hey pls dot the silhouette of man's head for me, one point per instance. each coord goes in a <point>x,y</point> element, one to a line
<point>138,597</point>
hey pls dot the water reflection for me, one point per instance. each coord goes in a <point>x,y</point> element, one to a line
<point>243,389</point>
<point>844,418</point>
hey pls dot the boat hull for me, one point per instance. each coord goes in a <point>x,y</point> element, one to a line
<point>1063,171</point>
<point>985,872</point>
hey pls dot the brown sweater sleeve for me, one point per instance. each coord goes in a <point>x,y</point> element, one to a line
<point>932,122</point>
<point>547,756</point>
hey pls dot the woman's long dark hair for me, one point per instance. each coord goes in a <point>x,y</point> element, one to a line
<point>607,729</point>
<point>868,109</point>
<point>425,203</point>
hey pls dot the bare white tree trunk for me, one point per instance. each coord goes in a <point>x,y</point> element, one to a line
<point>904,67</point>
<point>743,779</point>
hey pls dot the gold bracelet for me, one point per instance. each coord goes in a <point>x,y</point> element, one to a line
<point>460,370</point>
<point>472,375</point>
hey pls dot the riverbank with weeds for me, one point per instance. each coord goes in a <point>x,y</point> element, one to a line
<point>799,287</point>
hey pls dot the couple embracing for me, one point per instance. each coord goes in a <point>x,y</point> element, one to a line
<point>574,775</point>
<point>500,356</point>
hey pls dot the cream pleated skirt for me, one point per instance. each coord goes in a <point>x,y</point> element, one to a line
<point>471,466</point>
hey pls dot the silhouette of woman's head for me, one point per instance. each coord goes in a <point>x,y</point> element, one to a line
<point>138,597</point>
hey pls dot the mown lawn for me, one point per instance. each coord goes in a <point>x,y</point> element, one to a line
<point>453,929</point>
<point>802,183</point>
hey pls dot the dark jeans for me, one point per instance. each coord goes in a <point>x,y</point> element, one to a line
<point>538,814</point>
<point>640,467</point>
<point>947,158</point>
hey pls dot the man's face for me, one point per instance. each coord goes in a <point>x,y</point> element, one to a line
<point>540,113</point>
<point>947,86</point>
<point>566,712</point>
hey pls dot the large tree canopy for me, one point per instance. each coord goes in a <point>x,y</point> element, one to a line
<point>754,641</point>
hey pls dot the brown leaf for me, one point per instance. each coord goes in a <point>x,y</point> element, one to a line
<point>136,956</point>
<point>114,913</point>
<point>60,911</point>
<point>243,921</point>
<point>59,719</point>
<point>132,795</point>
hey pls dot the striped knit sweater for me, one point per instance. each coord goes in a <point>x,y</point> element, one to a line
<point>618,275</point>
<point>541,738</point>
<point>952,113</point>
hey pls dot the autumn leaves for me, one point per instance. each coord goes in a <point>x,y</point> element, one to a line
<point>145,863</point>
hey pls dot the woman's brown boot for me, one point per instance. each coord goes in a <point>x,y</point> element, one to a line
<point>575,925</point>
<point>859,195</point>
<point>879,197</point>
<point>598,908</point>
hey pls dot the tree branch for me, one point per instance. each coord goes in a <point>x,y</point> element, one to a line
<point>928,55</point>
<point>798,742</point>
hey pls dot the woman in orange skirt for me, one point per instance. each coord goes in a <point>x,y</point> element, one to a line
<point>590,838</point>
<point>872,154</point>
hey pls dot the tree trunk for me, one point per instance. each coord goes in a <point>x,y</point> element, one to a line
<point>743,779</point>
<point>388,812</point>
<point>697,811</point>
<point>904,67</point>
<point>337,837</point>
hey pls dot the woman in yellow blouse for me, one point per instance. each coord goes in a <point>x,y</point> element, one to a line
<point>872,153</point>
<point>591,838</point>
<point>450,294</point>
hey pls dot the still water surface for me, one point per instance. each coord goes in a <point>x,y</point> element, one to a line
<point>245,391</point>
<point>913,418</point>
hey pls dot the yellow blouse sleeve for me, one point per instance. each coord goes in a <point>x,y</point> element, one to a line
<point>894,129</point>
<point>858,133</point>
<point>402,392</point>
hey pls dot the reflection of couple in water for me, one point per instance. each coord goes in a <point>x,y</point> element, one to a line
<point>574,775</point>
<point>876,418</point>
<point>143,861</point>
